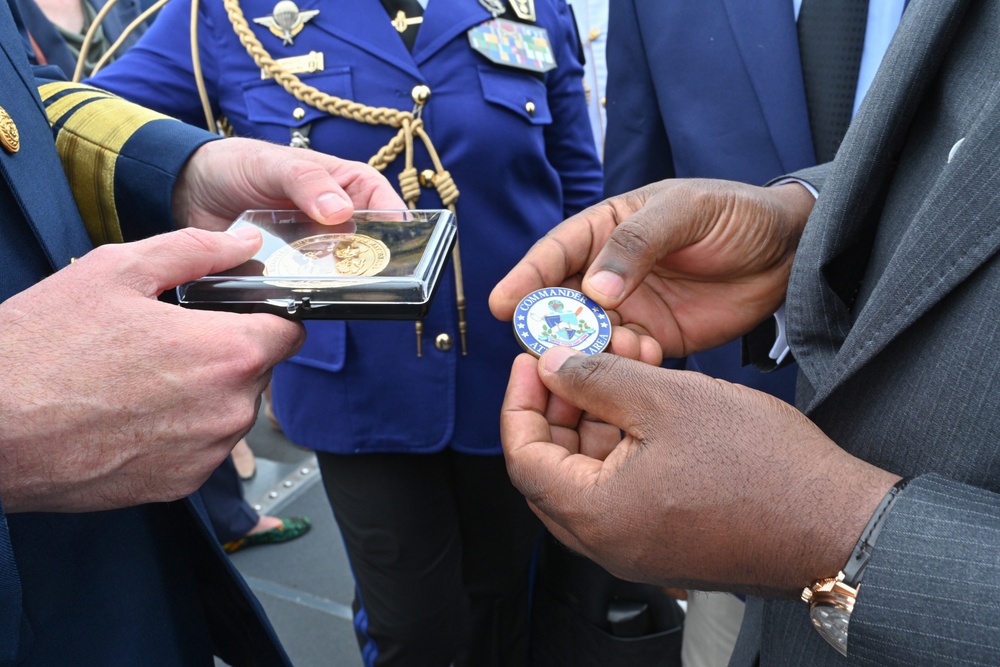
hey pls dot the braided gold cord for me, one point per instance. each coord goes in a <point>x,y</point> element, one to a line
<point>129,29</point>
<point>225,128</point>
<point>410,124</point>
<point>307,94</point>
<point>89,38</point>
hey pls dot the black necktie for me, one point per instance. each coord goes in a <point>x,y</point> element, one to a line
<point>831,39</point>
<point>406,16</point>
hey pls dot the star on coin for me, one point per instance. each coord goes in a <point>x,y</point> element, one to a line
<point>286,21</point>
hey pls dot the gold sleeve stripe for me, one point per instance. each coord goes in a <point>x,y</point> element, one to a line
<point>93,126</point>
<point>50,90</point>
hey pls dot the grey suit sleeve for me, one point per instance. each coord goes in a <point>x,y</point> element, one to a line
<point>929,594</point>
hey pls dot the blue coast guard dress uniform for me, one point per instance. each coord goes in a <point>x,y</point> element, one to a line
<point>147,585</point>
<point>518,145</point>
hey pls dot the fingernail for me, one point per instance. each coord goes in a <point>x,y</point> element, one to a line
<point>554,358</point>
<point>329,204</point>
<point>244,233</point>
<point>608,283</point>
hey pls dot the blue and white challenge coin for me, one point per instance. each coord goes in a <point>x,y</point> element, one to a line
<point>559,316</point>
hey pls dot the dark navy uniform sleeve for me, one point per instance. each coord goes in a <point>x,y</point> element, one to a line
<point>121,182</point>
<point>122,160</point>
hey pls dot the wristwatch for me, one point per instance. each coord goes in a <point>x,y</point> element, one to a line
<point>831,600</point>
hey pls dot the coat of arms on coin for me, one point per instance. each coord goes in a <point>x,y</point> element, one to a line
<point>559,316</point>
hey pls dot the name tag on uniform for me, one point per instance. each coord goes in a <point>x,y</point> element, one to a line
<point>514,44</point>
<point>305,64</point>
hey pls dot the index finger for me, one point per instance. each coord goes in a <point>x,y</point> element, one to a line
<point>546,473</point>
<point>167,260</point>
<point>366,186</point>
<point>562,253</point>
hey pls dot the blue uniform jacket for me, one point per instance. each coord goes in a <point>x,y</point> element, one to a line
<point>708,89</point>
<point>147,585</point>
<point>359,386</point>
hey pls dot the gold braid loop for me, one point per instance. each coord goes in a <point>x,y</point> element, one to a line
<point>409,185</point>
<point>449,195</point>
<point>409,124</point>
<point>446,187</point>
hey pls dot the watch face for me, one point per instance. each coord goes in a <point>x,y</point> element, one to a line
<point>831,622</point>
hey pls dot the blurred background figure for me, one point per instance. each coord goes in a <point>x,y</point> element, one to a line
<point>474,106</point>
<point>236,523</point>
<point>592,24</point>
<point>59,28</point>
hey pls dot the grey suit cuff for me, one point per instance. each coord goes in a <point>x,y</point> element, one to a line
<point>813,177</point>
<point>933,582</point>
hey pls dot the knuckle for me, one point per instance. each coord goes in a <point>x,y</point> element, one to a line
<point>248,359</point>
<point>299,170</point>
<point>630,240</point>
<point>125,263</point>
<point>597,371</point>
<point>190,241</point>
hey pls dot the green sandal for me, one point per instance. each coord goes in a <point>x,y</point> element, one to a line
<point>290,528</point>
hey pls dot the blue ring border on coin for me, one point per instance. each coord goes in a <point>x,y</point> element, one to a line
<point>527,339</point>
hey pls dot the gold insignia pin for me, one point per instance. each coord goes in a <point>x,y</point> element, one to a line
<point>9,137</point>
<point>402,22</point>
<point>304,64</point>
<point>286,21</point>
<point>494,7</point>
<point>525,9</point>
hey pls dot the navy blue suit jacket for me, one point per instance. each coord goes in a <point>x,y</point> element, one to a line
<point>708,89</point>
<point>140,586</point>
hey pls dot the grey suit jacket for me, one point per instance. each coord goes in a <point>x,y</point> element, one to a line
<point>894,318</point>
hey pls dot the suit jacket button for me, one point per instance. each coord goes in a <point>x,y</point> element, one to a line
<point>443,342</point>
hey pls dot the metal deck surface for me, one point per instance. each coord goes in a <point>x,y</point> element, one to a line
<point>304,585</point>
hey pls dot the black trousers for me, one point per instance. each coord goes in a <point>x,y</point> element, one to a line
<point>441,548</point>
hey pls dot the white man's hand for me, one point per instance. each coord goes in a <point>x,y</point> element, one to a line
<point>112,398</point>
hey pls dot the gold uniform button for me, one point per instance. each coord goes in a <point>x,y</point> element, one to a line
<point>420,94</point>
<point>530,108</point>
<point>427,178</point>
<point>299,113</point>
<point>604,102</point>
<point>9,137</point>
<point>443,342</point>
<point>594,34</point>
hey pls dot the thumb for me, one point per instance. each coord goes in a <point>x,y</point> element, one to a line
<point>172,259</point>
<point>614,389</point>
<point>666,217</point>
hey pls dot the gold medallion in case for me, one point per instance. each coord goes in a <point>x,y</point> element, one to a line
<point>326,255</point>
